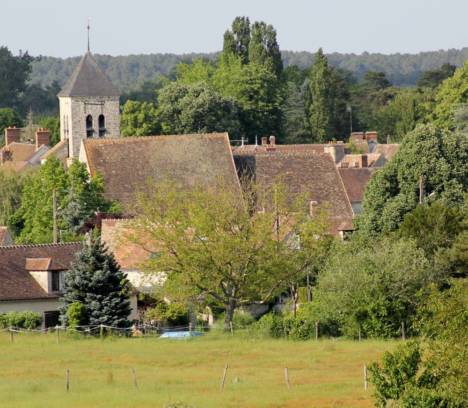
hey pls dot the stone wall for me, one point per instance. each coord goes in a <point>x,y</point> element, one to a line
<point>73,113</point>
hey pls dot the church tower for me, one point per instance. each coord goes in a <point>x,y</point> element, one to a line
<point>89,106</point>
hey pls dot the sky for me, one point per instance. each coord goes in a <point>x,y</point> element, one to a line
<point>121,27</point>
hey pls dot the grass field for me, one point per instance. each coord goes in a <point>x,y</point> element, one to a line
<point>327,373</point>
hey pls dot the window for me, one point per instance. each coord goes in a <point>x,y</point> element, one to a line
<point>89,126</point>
<point>55,282</point>
<point>102,125</point>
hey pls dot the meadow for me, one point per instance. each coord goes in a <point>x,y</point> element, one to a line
<point>151,372</point>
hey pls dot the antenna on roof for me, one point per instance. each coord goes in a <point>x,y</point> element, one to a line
<point>88,28</point>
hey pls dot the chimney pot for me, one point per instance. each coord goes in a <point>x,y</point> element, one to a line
<point>272,140</point>
<point>264,140</point>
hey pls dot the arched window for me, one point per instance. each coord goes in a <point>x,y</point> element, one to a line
<point>89,126</point>
<point>102,125</point>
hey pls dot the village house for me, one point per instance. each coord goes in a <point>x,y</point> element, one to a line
<point>18,155</point>
<point>32,279</point>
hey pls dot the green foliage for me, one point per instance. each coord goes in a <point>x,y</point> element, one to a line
<point>8,117</point>
<point>20,320</point>
<point>372,287</point>
<point>444,318</point>
<point>206,236</point>
<point>452,93</point>
<point>96,281</point>
<point>11,187</point>
<point>264,48</point>
<point>326,101</point>
<point>434,373</point>
<point>53,124</point>
<point>401,114</point>
<point>172,314</point>
<point>78,197</point>
<point>76,314</point>
<point>139,119</point>
<point>438,156</point>
<point>196,109</point>
<point>237,40</point>
<point>434,77</point>
<point>433,227</point>
<point>399,370</point>
<point>14,71</point>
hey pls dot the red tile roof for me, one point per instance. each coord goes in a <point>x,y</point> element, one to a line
<point>129,164</point>
<point>355,182</point>
<point>16,283</point>
<point>303,172</point>
<point>117,235</point>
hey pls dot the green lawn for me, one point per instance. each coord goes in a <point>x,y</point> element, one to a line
<point>327,373</point>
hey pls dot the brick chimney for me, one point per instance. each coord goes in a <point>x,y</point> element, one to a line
<point>42,137</point>
<point>264,140</point>
<point>371,136</point>
<point>12,134</point>
<point>272,140</point>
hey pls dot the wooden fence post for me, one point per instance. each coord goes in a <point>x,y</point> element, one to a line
<point>101,331</point>
<point>365,377</point>
<point>11,335</point>
<point>359,333</point>
<point>68,380</point>
<point>57,331</point>
<point>316,330</point>
<point>223,379</point>
<point>232,329</point>
<point>286,377</point>
<point>403,334</point>
<point>135,384</point>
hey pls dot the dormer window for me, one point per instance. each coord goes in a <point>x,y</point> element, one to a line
<point>89,126</point>
<point>102,125</point>
<point>48,275</point>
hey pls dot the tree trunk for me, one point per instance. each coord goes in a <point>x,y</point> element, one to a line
<point>230,308</point>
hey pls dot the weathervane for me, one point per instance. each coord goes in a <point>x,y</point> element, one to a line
<point>88,28</point>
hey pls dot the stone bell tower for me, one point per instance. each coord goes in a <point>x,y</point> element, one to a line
<point>89,105</point>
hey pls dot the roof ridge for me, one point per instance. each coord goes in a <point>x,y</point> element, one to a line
<point>59,244</point>
<point>129,139</point>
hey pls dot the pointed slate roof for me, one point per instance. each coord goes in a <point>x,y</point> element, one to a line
<point>88,80</point>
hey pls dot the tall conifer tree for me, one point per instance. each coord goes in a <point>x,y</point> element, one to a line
<point>96,281</point>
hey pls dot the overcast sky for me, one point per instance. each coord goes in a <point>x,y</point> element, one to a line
<point>121,27</point>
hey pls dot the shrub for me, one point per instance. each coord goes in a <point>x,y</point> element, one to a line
<point>76,314</point>
<point>20,320</point>
<point>241,319</point>
<point>172,314</point>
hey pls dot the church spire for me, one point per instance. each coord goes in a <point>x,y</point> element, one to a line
<point>88,28</point>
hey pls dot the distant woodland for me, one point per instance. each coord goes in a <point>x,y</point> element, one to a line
<point>127,72</point>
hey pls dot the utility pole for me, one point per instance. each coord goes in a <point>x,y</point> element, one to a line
<point>54,216</point>
<point>350,110</point>
<point>421,189</point>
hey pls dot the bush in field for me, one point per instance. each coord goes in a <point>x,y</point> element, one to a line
<point>433,373</point>
<point>76,314</point>
<point>20,320</point>
<point>172,314</point>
